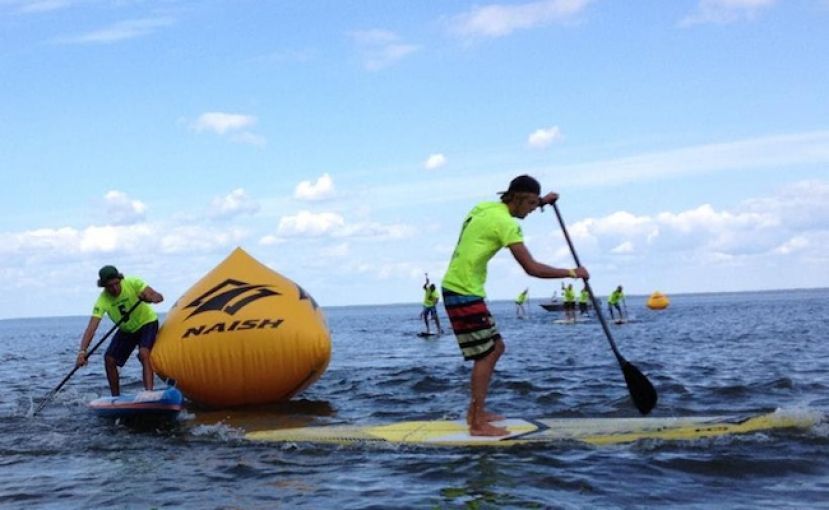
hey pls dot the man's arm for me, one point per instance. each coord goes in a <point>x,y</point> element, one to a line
<point>86,339</point>
<point>150,295</point>
<point>539,270</point>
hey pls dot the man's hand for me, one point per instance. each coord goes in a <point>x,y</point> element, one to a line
<point>149,295</point>
<point>548,199</point>
<point>582,273</point>
<point>81,361</point>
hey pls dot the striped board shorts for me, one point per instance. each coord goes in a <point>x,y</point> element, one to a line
<point>472,323</point>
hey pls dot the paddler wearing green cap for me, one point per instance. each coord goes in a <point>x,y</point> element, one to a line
<point>136,327</point>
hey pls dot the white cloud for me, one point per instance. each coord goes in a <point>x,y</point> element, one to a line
<point>726,11</point>
<point>372,229</point>
<point>308,224</point>
<point>234,126</point>
<point>804,204</point>
<point>198,239</point>
<point>541,138</point>
<point>271,240</point>
<point>795,244</point>
<point>121,31</point>
<point>381,48</point>
<point>497,20</point>
<point>434,161</point>
<point>122,210</point>
<point>759,227</point>
<point>68,242</point>
<point>322,189</point>
<point>247,138</point>
<point>233,204</point>
<point>222,123</point>
<point>625,247</point>
<point>108,239</point>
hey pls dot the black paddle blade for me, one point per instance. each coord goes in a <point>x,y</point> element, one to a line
<point>641,390</point>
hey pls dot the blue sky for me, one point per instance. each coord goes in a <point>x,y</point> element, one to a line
<point>343,143</point>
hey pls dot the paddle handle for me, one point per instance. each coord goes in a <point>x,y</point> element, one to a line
<point>52,393</point>
<point>593,299</point>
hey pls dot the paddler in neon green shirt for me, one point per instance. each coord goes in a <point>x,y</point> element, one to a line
<point>430,301</point>
<point>136,328</point>
<point>613,302</point>
<point>569,303</point>
<point>584,298</point>
<point>489,227</point>
<point>519,303</point>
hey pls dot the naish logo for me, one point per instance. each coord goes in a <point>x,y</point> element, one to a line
<point>221,327</point>
<point>222,296</point>
<point>229,297</point>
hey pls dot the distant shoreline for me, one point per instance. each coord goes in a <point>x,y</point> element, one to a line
<point>502,300</point>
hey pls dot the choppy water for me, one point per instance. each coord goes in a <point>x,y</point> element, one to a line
<point>706,354</point>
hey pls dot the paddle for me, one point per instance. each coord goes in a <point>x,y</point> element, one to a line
<point>641,390</point>
<point>52,393</point>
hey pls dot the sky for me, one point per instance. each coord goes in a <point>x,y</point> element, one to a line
<point>343,143</point>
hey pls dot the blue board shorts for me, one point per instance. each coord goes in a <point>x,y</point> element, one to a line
<point>124,343</point>
<point>430,310</point>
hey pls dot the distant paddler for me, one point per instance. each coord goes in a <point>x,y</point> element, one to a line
<point>430,301</point>
<point>519,303</point>
<point>124,300</point>
<point>584,298</point>
<point>569,303</point>
<point>613,301</point>
<point>487,228</point>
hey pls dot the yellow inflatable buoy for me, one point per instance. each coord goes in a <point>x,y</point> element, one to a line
<point>658,301</point>
<point>243,334</point>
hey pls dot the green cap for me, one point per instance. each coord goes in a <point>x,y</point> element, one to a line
<point>106,274</point>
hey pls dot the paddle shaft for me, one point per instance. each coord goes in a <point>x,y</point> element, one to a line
<point>593,299</point>
<point>52,393</point>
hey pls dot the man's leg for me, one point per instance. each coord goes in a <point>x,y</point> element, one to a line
<point>112,375</point>
<point>477,417</point>
<point>147,368</point>
<point>146,340</point>
<point>425,315</point>
<point>437,322</point>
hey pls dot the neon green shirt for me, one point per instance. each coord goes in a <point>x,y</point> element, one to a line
<point>488,228</point>
<point>116,307</point>
<point>569,295</point>
<point>584,297</point>
<point>615,296</point>
<point>522,298</point>
<point>431,298</point>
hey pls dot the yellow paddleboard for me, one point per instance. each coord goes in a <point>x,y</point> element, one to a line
<point>596,431</point>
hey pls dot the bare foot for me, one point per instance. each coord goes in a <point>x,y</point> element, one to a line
<point>490,417</point>
<point>484,417</point>
<point>485,429</point>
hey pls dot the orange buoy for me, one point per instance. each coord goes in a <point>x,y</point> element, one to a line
<point>243,334</point>
<point>658,301</point>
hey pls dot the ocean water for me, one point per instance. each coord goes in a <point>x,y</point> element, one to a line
<point>706,354</point>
